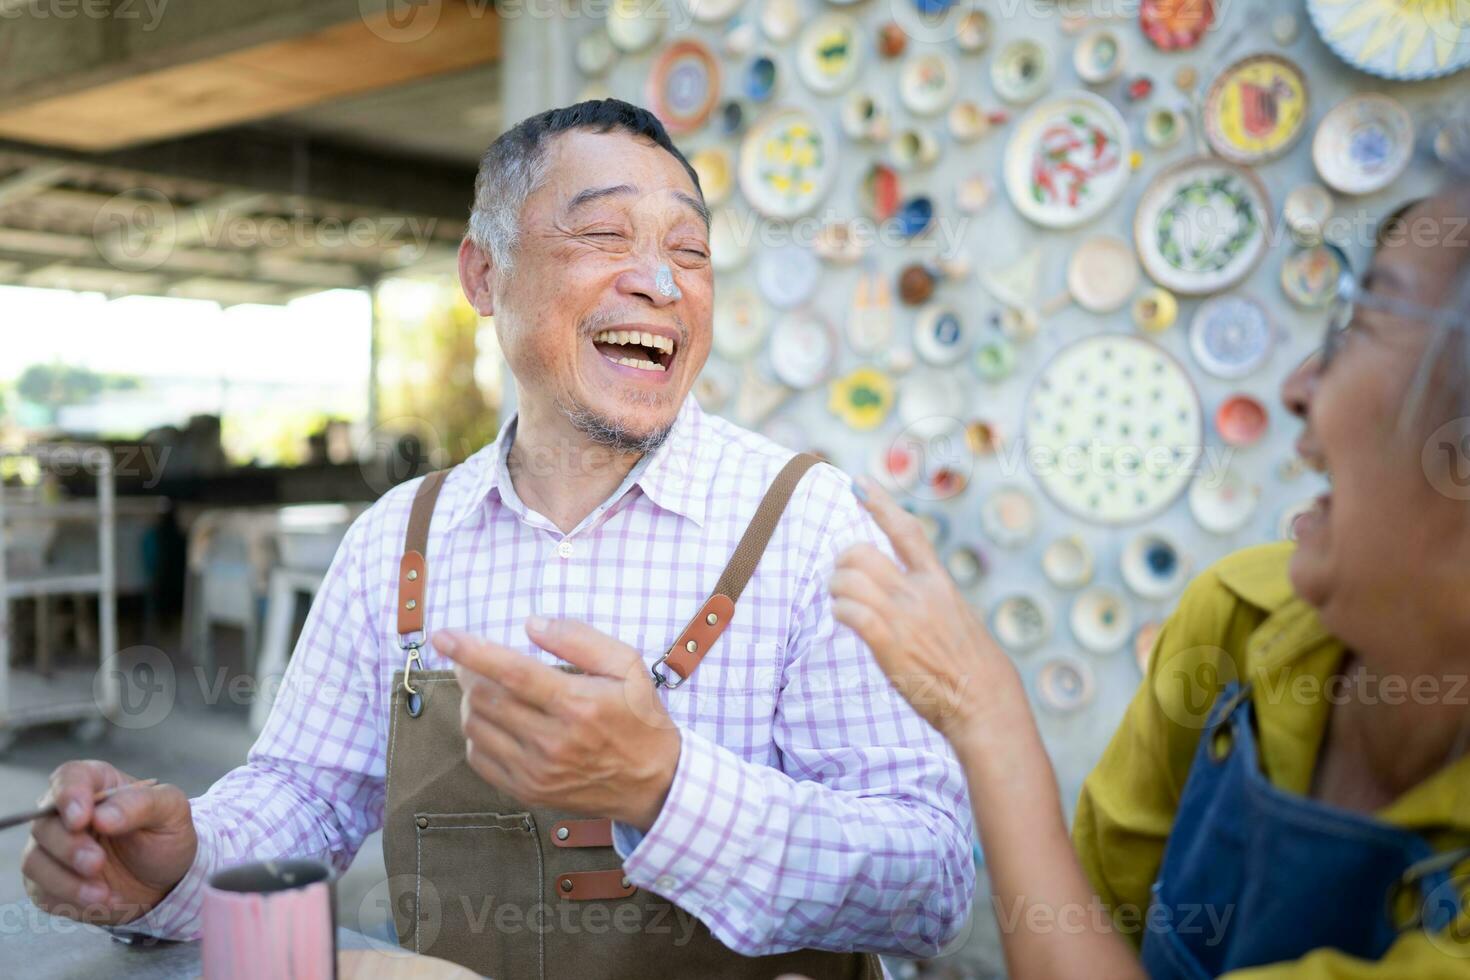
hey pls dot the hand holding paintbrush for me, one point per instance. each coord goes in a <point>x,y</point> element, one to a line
<point>106,848</point>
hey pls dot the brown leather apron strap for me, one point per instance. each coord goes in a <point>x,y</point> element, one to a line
<point>714,616</point>
<point>582,833</point>
<point>413,567</point>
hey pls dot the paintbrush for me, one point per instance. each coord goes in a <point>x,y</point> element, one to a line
<point>16,819</point>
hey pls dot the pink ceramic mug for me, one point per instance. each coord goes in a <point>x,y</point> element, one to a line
<point>272,920</point>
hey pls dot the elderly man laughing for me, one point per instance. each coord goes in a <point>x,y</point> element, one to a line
<point>588,681</point>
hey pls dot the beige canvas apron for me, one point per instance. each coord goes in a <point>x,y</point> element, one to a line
<point>514,891</point>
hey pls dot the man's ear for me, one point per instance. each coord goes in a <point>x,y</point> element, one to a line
<point>477,275</point>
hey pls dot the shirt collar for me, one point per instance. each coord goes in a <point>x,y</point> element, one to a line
<point>667,476</point>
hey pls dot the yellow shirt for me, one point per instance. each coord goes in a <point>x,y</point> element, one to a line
<point>1240,620</point>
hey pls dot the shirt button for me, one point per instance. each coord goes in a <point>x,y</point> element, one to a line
<point>564,549</point>
<point>665,883</point>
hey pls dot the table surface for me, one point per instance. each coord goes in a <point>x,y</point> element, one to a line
<point>53,948</point>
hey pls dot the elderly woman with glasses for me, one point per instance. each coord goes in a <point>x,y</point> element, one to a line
<point>1289,792</point>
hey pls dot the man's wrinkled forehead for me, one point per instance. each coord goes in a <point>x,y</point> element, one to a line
<point>586,167</point>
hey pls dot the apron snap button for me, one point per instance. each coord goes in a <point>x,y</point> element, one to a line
<point>625,882</point>
<point>566,884</point>
<point>562,833</point>
<point>423,822</point>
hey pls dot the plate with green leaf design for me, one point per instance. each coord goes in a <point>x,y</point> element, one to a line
<point>1202,226</point>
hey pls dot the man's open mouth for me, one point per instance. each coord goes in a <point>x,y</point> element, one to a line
<point>635,348</point>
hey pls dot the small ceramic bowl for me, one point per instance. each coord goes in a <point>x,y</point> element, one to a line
<point>1242,420</point>
<point>1153,566</point>
<point>1065,685</point>
<point>1008,516</point>
<point>967,121</point>
<point>1163,127</point>
<point>1101,620</point>
<point>1098,57</point>
<point>966,566</point>
<point>914,148</point>
<point>1067,562</point>
<point>1155,310</point>
<point>1021,623</point>
<point>974,31</point>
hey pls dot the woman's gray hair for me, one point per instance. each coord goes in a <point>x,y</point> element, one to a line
<point>515,166</point>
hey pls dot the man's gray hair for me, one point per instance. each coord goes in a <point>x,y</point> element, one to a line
<point>515,166</point>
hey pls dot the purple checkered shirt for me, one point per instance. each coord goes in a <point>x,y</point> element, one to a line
<point>811,807</point>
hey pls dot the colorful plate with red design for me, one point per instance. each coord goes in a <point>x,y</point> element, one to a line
<point>1176,25</point>
<point>1256,109</point>
<point>684,86</point>
<point>1067,161</point>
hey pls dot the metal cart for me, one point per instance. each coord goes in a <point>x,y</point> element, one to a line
<point>84,694</point>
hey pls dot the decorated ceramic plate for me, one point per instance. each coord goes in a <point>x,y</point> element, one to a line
<point>787,275</point>
<point>1021,71</point>
<point>1114,428</point>
<point>1008,516</point>
<point>1176,25</point>
<point>712,11</point>
<point>684,86</point>
<point>739,323</point>
<point>1310,276</point>
<point>1153,566</point>
<point>1223,503</point>
<point>1101,620</point>
<point>1065,685</point>
<point>730,234</point>
<point>633,25</point>
<point>1202,225</point>
<point>786,164</point>
<point>1067,160</point>
<point>1021,622</point>
<point>1406,40</point>
<point>1242,420</point>
<point>1256,109</point>
<point>940,335</point>
<point>928,83</point>
<point>862,399</point>
<point>803,349</point>
<point>1231,336</point>
<point>829,53</point>
<point>965,565</point>
<point>1067,562</point>
<point>716,174</point>
<point>1363,144</point>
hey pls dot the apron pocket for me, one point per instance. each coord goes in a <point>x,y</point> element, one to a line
<point>481,892</point>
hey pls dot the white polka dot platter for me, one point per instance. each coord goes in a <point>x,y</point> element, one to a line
<point>1113,429</point>
<point>1067,160</point>
<point>1231,336</point>
<point>786,164</point>
<point>684,86</point>
<point>1201,226</point>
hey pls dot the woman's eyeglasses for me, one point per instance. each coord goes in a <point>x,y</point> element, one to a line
<point>1352,297</point>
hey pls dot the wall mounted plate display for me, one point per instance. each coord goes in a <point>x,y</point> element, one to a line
<point>1067,562</point>
<point>940,336</point>
<point>802,350</point>
<point>730,235</point>
<point>1101,620</point>
<point>1065,685</point>
<point>1306,212</point>
<point>1363,144</point>
<point>1242,420</point>
<point>1201,226</point>
<point>787,275</point>
<point>1310,277</point>
<point>869,323</point>
<point>712,11</point>
<point>973,33</point>
<point>865,118</point>
<point>1098,57</point>
<point>1154,567</point>
<point>928,83</point>
<point>1176,25</point>
<point>740,323</point>
<point>829,53</point>
<point>1008,516</point>
<point>715,385</point>
<point>780,19</point>
<point>684,86</point>
<point>862,399</point>
<point>1066,161</point>
<point>1256,109</point>
<point>1163,127</point>
<point>1407,41</point>
<point>632,25</point>
<point>1155,311</point>
<point>965,565</point>
<point>786,164</point>
<point>1102,274</point>
<point>1021,72</point>
<point>595,53</point>
<point>1021,622</point>
<point>716,171</point>
<point>931,457</point>
<point>1223,503</point>
<point>1119,392</point>
<point>761,74</point>
<point>1231,336</point>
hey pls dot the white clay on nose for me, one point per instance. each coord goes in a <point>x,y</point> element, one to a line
<point>663,281</point>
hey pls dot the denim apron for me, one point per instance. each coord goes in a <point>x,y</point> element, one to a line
<point>1253,874</point>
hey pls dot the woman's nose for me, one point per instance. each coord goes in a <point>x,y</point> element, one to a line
<point>1300,385</point>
